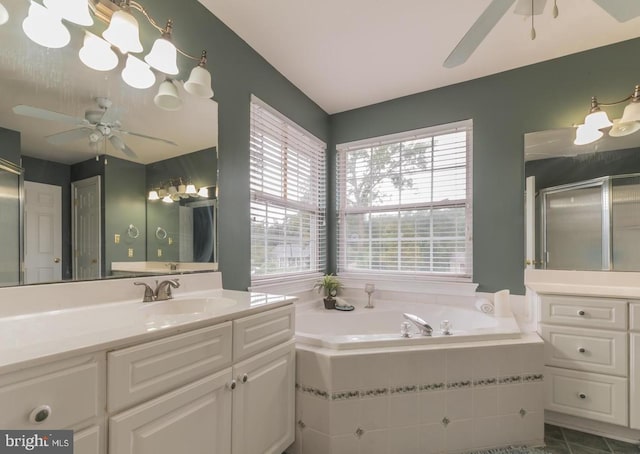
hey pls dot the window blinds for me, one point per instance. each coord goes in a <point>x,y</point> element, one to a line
<point>287,185</point>
<point>404,203</point>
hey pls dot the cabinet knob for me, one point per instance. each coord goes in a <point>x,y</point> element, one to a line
<point>245,377</point>
<point>582,350</point>
<point>232,385</point>
<point>581,313</point>
<point>582,395</point>
<point>40,414</point>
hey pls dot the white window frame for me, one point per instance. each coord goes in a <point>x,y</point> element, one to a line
<point>317,212</point>
<point>396,275</point>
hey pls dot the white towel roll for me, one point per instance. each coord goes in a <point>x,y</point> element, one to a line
<point>484,306</point>
<point>502,304</point>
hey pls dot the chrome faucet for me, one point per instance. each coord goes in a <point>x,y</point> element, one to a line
<point>162,291</point>
<point>424,327</point>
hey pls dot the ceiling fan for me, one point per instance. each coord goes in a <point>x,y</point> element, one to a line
<point>620,10</point>
<point>97,125</point>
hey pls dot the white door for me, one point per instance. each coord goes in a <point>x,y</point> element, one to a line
<point>264,402</point>
<point>194,419</point>
<point>43,233</point>
<point>85,202</point>
<point>530,222</point>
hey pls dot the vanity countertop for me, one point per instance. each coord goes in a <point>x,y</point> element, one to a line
<point>34,338</point>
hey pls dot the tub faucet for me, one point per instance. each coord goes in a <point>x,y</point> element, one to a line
<point>424,327</point>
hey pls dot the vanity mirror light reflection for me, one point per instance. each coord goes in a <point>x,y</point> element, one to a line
<point>73,201</point>
<point>586,211</point>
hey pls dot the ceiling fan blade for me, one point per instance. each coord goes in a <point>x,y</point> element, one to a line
<point>43,114</point>
<point>620,10</point>
<point>120,145</point>
<point>69,136</point>
<point>478,32</point>
<point>168,142</point>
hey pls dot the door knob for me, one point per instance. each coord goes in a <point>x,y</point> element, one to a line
<point>56,260</point>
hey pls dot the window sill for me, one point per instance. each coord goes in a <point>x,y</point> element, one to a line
<point>286,284</point>
<point>412,284</point>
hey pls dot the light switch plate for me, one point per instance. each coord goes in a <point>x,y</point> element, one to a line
<point>130,252</point>
<point>116,238</point>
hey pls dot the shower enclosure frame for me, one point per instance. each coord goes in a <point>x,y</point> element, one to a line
<point>15,169</point>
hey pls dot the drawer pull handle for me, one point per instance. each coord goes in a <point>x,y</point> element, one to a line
<point>245,377</point>
<point>40,414</point>
<point>581,313</point>
<point>582,350</point>
<point>232,385</point>
<point>582,395</point>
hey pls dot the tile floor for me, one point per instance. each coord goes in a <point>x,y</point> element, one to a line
<point>566,441</point>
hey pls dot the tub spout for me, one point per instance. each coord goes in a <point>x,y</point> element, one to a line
<point>424,327</point>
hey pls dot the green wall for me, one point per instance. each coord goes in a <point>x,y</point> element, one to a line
<point>503,107</point>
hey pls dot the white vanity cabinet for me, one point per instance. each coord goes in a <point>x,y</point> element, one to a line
<point>634,346</point>
<point>587,357</point>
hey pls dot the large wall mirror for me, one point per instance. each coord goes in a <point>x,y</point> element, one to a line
<point>586,210</point>
<point>80,153</point>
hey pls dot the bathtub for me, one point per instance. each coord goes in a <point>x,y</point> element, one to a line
<point>380,326</point>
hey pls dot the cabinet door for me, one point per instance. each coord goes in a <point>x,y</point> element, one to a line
<point>194,418</point>
<point>635,381</point>
<point>263,402</point>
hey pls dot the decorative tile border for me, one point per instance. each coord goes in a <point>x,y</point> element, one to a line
<point>407,389</point>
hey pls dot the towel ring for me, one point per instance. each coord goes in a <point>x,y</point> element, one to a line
<point>133,231</point>
<point>161,233</point>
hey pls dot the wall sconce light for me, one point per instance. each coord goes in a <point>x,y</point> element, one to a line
<point>44,26</point>
<point>175,189</point>
<point>597,120</point>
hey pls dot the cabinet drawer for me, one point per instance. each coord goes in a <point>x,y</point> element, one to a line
<point>590,350</point>
<point>634,314</point>
<point>88,441</point>
<point>73,391</point>
<point>592,396</point>
<point>144,371</point>
<point>602,313</point>
<point>259,332</point>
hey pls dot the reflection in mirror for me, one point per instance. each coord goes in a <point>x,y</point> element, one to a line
<point>84,135</point>
<point>587,204</point>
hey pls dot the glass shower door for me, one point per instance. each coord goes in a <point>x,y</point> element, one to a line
<point>10,224</point>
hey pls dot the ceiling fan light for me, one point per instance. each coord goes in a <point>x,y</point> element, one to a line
<point>123,32</point>
<point>163,57</point>
<point>191,190</point>
<point>199,83</point>
<point>137,73</point>
<point>4,15</point>
<point>597,120</point>
<point>97,54</point>
<point>631,112</point>
<point>586,135</point>
<point>45,28</point>
<point>153,195</point>
<point>168,97</point>
<point>76,11</point>
<point>621,129</point>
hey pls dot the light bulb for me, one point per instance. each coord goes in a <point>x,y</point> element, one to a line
<point>153,195</point>
<point>45,28</point>
<point>123,32</point>
<point>4,15</point>
<point>97,54</point>
<point>137,73</point>
<point>163,57</point>
<point>76,11</point>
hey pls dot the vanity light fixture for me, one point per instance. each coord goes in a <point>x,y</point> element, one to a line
<point>167,199</point>
<point>153,195</point>
<point>203,192</point>
<point>76,11</point>
<point>4,15</point>
<point>597,120</point>
<point>175,189</point>
<point>45,28</point>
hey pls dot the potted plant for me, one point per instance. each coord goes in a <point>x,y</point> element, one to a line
<point>330,284</point>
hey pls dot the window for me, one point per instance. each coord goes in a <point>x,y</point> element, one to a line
<point>404,203</point>
<point>287,184</point>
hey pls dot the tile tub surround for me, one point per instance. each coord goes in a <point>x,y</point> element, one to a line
<point>455,398</point>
